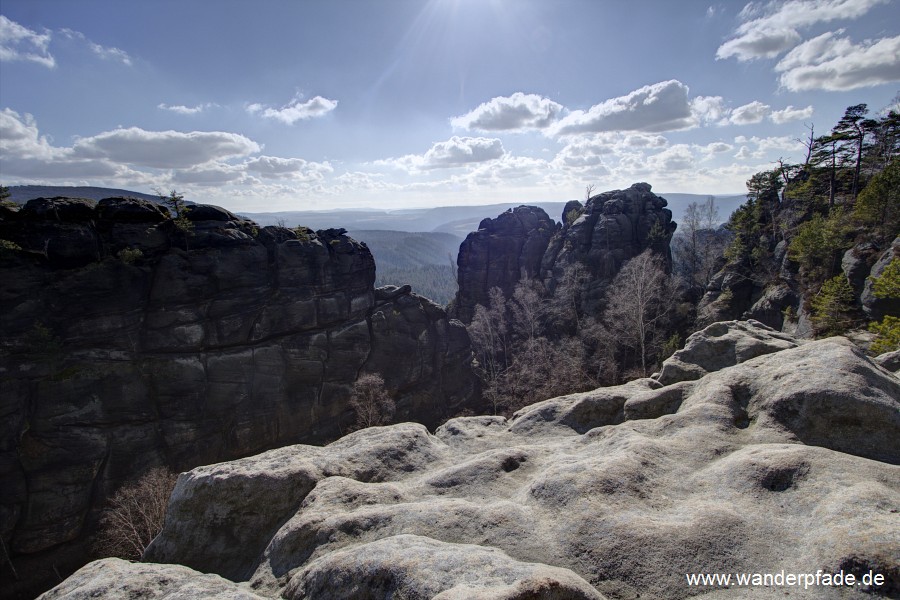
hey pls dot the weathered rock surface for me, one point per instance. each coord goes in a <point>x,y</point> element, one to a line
<point>783,461</point>
<point>721,345</point>
<point>601,235</point>
<point>112,362</point>
<point>116,578</point>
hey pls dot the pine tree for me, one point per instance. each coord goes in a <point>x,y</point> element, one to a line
<point>878,205</point>
<point>832,307</point>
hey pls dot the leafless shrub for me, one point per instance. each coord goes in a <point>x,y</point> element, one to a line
<point>371,402</point>
<point>135,515</point>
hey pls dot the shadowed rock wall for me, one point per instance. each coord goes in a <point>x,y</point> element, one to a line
<point>210,344</point>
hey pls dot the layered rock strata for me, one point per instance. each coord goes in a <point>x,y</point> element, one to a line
<point>774,456</point>
<point>130,342</point>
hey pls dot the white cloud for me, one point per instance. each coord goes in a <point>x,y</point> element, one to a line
<point>781,143</point>
<point>19,137</point>
<point>791,114</point>
<point>506,169</point>
<point>583,154</point>
<point>769,30</point>
<point>645,141</point>
<point>103,52</point>
<point>709,109</point>
<point>185,110</point>
<point>24,153</point>
<point>164,149</point>
<point>20,43</point>
<point>519,112</point>
<point>676,158</point>
<point>717,148</point>
<point>295,110</point>
<point>829,62</point>
<point>758,43</point>
<point>455,152</point>
<point>659,107</point>
<point>212,173</point>
<point>747,114</point>
<point>744,153</point>
<point>134,157</point>
<point>274,167</point>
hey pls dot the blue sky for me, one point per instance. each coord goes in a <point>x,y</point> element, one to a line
<point>277,105</point>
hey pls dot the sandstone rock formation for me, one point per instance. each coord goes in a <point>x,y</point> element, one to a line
<point>776,456</point>
<point>606,232</point>
<point>601,235</point>
<point>122,350</point>
<point>499,254</point>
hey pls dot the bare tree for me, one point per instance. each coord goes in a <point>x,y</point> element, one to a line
<point>697,246</point>
<point>135,515</point>
<point>809,143</point>
<point>639,301</point>
<point>489,331</point>
<point>527,308</point>
<point>371,402</point>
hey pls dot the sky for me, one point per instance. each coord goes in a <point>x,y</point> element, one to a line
<point>277,105</point>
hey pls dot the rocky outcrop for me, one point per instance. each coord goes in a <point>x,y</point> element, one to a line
<point>601,235</point>
<point>502,252</point>
<point>874,307</point>
<point>606,232</point>
<point>130,342</point>
<point>721,345</point>
<point>786,461</point>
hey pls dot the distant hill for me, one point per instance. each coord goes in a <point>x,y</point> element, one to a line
<point>23,193</point>
<point>727,204</point>
<point>424,260</point>
<point>456,220</point>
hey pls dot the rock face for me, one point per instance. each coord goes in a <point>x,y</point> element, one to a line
<point>129,343</point>
<point>777,456</point>
<point>502,251</point>
<point>601,235</point>
<point>876,308</point>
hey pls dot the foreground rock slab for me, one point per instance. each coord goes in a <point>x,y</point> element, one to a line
<point>116,578</point>
<point>786,461</point>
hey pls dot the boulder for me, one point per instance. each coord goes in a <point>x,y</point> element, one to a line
<point>771,306</point>
<point>114,579</point>
<point>876,308</point>
<point>73,210</point>
<point>414,566</point>
<point>130,210</point>
<point>889,361</point>
<point>722,345</point>
<point>856,264</point>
